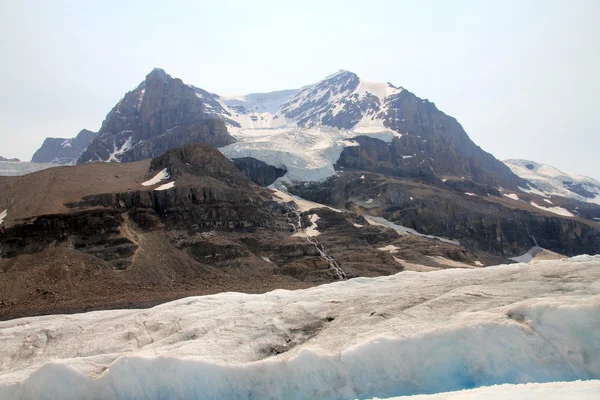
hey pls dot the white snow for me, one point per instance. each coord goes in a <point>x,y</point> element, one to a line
<point>166,186</point>
<point>532,190</point>
<point>555,210</point>
<point>267,259</point>
<point>470,194</point>
<point>410,333</point>
<point>3,215</point>
<point>551,181</point>
<point>161,176</point>
<point>404,230</point>
<point>576,390</point>
<point>548,201</point>
<point>513,196</point>
<point>66,143</point>
<point>117,152</point>
<point>362,177</point>
<point>369,201</point>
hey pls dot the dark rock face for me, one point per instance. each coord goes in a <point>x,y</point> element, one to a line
<point>432,142</point>
<point>478,223</point>
<point>160,114</point>
<point>63,151</point>
<point>95,232</point>
<point>259,172</point>
<point>429,133</point>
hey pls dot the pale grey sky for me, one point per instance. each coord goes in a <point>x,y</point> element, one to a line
<point>521,76</point>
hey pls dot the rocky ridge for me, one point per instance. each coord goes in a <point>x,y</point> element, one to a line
<point>185,223</point>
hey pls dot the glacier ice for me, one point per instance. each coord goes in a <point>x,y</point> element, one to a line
<point>410,333</point>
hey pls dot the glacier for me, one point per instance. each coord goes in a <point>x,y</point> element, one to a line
<point>412,333</point>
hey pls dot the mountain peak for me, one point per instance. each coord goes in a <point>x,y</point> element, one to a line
<point>158,73</point>
<point>340,73</point>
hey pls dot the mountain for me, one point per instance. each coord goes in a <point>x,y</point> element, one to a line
<point>549,181</point>
<point>63,151</point>
<point>158,115</point>
<point>346,122</point>
<point>341,122</point>
<point>9,159</point>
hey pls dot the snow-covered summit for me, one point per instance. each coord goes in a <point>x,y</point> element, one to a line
<point>554,182</point>
<point>305,130</point>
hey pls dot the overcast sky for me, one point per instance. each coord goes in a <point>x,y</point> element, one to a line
<point>522,77</point>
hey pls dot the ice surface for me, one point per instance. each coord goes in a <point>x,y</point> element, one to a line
<point>3,215</point>
<point>577,390</point>
<point>410,333</point>
<point>306,154</point>
<point>161,176</point>
<point>166,186</point>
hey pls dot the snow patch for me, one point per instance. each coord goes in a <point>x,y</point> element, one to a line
<point>166,186</point>
<point>117,152</point>
<point>404,230</point>
<point>555,210</point>
<point>311,230</point>
<point>369,201</point>
<point>3,215</point>
<point>161,176</point>
<point>470,194</point>
<point>511,196</point>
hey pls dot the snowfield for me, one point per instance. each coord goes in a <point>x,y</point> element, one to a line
<point>410,333</point>
<point>551,181</point>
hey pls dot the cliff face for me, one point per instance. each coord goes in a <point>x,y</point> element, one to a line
<point>483,222</point>
<point>162,113</point>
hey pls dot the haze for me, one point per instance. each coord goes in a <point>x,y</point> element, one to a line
<point>521,76</point>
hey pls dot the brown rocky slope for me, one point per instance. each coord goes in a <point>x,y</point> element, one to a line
<point>92,236</point>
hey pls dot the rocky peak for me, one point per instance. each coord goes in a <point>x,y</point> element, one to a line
<point>160,114</point>
<point>158,74</point>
